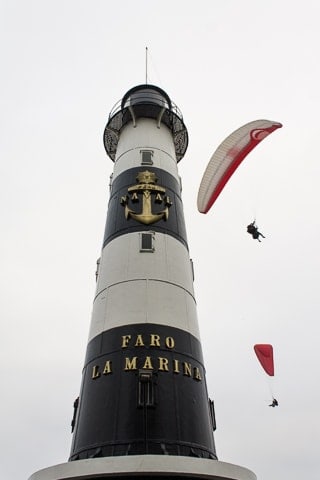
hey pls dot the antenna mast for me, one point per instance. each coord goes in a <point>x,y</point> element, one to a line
<point>146,65</point>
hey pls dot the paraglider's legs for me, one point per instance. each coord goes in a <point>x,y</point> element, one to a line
<point>256,234</point>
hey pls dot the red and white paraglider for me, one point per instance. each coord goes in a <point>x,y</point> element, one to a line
<point>264,353</point>
<point>228,156</point>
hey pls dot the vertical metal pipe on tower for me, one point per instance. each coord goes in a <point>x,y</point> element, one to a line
<point>143,408</point>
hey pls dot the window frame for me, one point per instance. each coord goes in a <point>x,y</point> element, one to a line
<point>142,236</point>
<point>144,161</point>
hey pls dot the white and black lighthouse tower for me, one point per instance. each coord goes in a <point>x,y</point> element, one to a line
<point>143,407</point>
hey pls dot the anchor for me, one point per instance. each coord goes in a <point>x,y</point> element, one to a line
<point>146,187</point>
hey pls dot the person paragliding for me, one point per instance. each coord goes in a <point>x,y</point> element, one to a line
<point>253,230</point>
<point>274,403</point>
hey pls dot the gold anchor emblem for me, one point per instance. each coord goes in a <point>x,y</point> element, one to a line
<point>147,187</point>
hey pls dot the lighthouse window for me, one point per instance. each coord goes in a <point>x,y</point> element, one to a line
<point>146,157</point>
<point>146,242</point>
<point>212,414</point>
<point>192,269</point>
<point>145,389</point>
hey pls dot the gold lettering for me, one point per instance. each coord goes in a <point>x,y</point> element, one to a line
<point>139,341</point>
<point>95,372</point>
<point>125,340</point>
<point>169,342</point>
<point>107,368</point>
<point>163,364</point>
<point>154,340</point>
<point>196,374</point>
<point>134,197</point>
<point>131,364</point>
<point>187,369</point>
<point>168,202</point>
<point>124,200</point>
<point>176,366</point>
<point>148,363</point>
<point>158,198</point>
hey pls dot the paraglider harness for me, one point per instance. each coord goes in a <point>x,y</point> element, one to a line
<point>253,230</point>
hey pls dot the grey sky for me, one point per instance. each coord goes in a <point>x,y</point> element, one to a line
<point>64,65</point>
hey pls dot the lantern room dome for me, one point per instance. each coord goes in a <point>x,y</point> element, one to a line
<point>145,101</point>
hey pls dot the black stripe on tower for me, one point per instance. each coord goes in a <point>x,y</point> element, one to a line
<point>144,392</point>
<point>164,196</point>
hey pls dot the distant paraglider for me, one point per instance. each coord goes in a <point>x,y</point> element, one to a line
<point>264,353</point>
<point>274,403</point>
<point>252,228</point>
<point>228,157</point>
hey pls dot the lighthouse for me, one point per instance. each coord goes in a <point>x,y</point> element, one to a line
<point>143,408</point>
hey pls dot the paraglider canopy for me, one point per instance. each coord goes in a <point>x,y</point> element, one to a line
<point>228,157</point>
<point>264,353</point>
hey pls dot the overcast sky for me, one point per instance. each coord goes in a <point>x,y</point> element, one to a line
<point>64,64</point>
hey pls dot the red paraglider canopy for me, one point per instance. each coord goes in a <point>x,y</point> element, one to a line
<point>264,353</point>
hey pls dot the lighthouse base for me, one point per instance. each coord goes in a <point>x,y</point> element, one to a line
<point>150,467</point>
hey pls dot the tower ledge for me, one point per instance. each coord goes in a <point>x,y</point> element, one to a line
<point>148,466</point>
